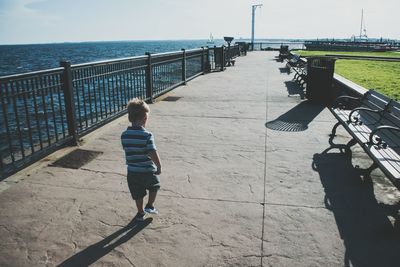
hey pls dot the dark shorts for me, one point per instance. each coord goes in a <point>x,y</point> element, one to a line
<point>138,183</point>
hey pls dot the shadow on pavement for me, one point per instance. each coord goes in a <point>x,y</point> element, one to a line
<point>285,70</point>
<point>94,252</point>
<point>369,236</point>
<point>294,89</point>
<point>296,119</point>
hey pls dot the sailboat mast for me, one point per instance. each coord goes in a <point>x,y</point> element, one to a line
<point>362,20</point>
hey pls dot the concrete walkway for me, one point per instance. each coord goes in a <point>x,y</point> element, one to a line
<point>246,181</point>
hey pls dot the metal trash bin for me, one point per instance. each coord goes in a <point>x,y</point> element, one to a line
<point>283,52</point>
<point>320,79</point>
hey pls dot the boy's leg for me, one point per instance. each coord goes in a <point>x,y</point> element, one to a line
<point>139,205</point>
<point>153,187</point>
<point>137,190</point>
<point>140,215</point>
<point>152,198</point>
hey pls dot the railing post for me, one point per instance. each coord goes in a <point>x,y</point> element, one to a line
<point>149,79</point>
<point>202,60</point>
<point>208,63</point>
<point>222,58</point>
<point>68,90</point>
<point>184,66</point>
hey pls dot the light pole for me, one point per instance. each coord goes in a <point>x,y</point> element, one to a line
<point>253,14</point>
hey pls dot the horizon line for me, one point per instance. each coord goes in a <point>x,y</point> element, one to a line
<point>194,39</point>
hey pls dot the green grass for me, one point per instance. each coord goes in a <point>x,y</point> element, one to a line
<point>379,75</point>
<point>368,54</point>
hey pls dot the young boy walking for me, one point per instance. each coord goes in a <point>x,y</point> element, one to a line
<point>142,158</point>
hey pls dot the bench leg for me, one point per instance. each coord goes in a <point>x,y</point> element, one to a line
<point>344,148</point>
<point>371,168</point>
<point>298,77</point>
<point>333,134</point>
<point>351,143</point>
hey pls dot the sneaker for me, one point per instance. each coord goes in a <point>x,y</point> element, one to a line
<point>139,217</point>
<point>150,209</point>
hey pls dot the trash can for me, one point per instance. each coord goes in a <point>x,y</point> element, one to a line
<point>320,79</point>
<point>283,52</point>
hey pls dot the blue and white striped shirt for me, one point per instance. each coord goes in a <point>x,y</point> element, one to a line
<point>137,143</point>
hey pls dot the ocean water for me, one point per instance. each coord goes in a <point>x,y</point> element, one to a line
<point>16,59</point>
<point>26,58</point>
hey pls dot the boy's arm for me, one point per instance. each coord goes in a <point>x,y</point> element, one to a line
<point>156,159</point>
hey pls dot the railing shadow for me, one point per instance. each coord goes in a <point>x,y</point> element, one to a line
<point>369,237</point>
<point>296,119</point>
<point>96,251</point>
<point>294,89</point>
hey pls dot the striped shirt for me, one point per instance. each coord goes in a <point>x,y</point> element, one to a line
<point>137,142</point>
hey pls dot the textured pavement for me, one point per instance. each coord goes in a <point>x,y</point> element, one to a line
<point>248,180</point>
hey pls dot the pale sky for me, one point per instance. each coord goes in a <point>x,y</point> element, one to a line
<point>43,21</point>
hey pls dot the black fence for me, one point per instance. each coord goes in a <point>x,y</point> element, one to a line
<point>42,111</point>
<point>265,46</point>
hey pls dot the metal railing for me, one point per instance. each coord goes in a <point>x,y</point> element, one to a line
<point>33,116</point>
<point>42,111</point>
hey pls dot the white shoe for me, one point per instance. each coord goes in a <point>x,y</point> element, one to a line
<point>151,210</point>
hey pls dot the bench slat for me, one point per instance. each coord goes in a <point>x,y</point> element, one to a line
<point>391,165</point>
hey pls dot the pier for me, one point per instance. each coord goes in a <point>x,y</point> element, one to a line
<point>248,179</point>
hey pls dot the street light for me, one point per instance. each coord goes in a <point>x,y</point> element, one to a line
<point>253,14</point>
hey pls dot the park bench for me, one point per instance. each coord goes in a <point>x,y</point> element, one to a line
<point>373,121</point>
<point>299,66</point>
<point>231,61</point>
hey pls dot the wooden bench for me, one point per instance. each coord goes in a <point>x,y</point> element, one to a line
<point>373,121</point>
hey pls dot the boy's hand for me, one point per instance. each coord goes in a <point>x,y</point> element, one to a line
<point>156,159</point>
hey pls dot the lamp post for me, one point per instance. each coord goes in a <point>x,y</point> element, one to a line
<point>229,41</point>
<point>253,14</point>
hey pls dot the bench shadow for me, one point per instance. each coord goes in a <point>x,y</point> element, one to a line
<point>369,237</point>
<point>96,251</point>
<point>294,89</point>
<point>297,118</point>
<point>285,70</point>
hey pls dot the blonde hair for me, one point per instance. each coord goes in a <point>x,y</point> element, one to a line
<point>137,109</point>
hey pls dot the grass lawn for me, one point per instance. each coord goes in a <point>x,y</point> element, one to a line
<point>379,75</point>
<point>368,54</point>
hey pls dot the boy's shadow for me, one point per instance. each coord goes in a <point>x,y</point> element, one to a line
<point>94,252</point>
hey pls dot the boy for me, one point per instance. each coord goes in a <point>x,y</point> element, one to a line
<point>142,158</point>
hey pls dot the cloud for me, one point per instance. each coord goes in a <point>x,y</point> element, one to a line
<point>23,10</point>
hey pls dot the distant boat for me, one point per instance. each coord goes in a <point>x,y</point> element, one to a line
<point>211,40</point>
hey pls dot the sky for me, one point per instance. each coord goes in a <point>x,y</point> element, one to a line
<point>48,21</point>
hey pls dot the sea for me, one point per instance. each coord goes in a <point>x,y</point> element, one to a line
<point>15,59</point>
